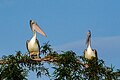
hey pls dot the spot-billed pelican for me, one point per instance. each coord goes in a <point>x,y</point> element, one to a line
<point>89,52</point>
<point>32,45</point>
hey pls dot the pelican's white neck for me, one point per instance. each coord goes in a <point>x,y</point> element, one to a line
<point>34,34</point>
<point>89,46</point>
<point>34,37</point>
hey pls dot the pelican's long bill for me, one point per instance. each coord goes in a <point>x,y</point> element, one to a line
<point>37,28</point>
<point>88,37</point>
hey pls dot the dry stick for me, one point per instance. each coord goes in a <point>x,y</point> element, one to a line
<point>49,59</point>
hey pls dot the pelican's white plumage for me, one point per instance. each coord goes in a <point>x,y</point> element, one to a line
<point>32,45</point>
<point>89,52</point>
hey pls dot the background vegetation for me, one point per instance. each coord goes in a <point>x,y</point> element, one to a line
<point>67,65</point>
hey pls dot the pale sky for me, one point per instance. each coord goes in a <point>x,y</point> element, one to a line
<point>66,23</point>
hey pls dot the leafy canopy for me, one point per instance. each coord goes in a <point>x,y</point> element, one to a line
<point>66,65</point>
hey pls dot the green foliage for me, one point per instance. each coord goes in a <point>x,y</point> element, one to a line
<point>66,65</point>
<point>71,68</point>
<point>12,70</point>
<point>17,67</point>
<point>98,71</point>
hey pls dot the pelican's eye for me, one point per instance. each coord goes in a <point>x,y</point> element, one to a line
<point>33,23</point>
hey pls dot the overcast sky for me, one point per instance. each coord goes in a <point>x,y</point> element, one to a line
<point>66,23</point>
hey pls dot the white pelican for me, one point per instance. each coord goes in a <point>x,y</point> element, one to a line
<point>32,45</point>
<point>89,52</point>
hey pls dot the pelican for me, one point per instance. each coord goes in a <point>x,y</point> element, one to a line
<point>32,45</point>
<point>89,52</point>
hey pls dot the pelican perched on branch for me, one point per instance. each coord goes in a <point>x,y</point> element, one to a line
<point>32,45</point>
<point>89,52</point>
